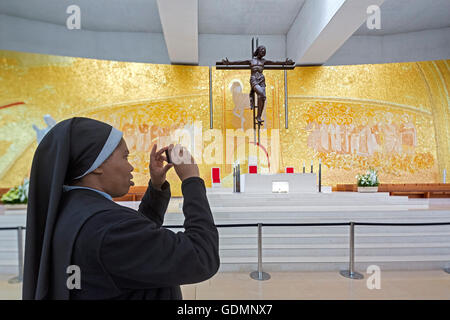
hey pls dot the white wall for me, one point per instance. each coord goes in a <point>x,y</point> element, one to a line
<point>424,45</point>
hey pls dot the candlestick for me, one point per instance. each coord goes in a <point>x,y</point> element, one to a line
<point>320,176</point>
<point>238,184</point>
<point>234,179</point>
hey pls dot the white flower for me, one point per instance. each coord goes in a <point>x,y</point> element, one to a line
<point>370,178</point>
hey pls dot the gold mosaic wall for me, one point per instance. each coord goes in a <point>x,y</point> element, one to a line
<point>144,101</point>
<point>394,117</point>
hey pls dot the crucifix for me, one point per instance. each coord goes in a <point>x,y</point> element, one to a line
<point>257,80</point>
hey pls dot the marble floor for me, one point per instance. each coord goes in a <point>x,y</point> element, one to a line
<point>429,284</point>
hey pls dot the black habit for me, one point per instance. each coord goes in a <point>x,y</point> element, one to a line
<point>121,253</point>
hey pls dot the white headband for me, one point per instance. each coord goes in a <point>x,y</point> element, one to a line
<point>110,145</point>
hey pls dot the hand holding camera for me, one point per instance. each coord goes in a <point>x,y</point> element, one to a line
<point>183,162</point>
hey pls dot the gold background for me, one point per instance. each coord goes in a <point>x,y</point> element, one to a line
<point>348,94</point>
<point>388,102</point>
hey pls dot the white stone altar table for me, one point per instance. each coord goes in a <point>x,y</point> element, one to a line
<point>279,183</point>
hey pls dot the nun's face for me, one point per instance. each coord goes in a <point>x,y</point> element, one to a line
<point>116,176</point>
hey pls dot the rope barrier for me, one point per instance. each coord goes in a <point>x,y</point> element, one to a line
<point>259,274</point>
<point>246,225</point>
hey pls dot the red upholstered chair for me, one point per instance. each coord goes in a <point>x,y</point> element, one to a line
<point>289,169</point>
<point>215,177</point>
<point>253,169</point>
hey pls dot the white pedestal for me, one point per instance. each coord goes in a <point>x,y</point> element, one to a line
<point>267,183</point>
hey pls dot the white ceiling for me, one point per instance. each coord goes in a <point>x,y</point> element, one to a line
<point>96,15</point>
<point>215,16</point>
<point>247,16</point>
<point>240,17</point>
<point>308,31</point>
<point>399,16</point>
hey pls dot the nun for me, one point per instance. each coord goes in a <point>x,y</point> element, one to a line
<point>82,245</point>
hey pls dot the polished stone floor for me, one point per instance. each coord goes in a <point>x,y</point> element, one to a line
<point>429,284</point>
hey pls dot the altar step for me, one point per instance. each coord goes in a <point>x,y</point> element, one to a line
<point>316,202</point>
<point>337,239</point>
<point>334,263</point>
<point>220,190</point>
<point>342,201</point>
<point>326,248</point>
<point>9,266</point>
<point>322,250</point>
<point>267,216</point>
<point>327,263</point>
<point>309,201</point>
<point>306,195</point>
<point>306,248</point>
<point>322,207</point>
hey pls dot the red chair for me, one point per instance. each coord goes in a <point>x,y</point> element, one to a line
<point>289,169</point>
<point>253,169</point>
<point>215,177</point>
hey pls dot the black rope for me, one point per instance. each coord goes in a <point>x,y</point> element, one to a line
<point>305,224</point>
<point>401,224</point>
<point>247,225</point>
<point>219,225</point>
<point>11,228</point>
<point>321,224</point>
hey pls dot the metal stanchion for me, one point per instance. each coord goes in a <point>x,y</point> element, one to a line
<point>19,278</point>
<point>259,275</point>
<point>234,178</point>
<point>320,175</point>
<point>238,178</point>
<point>351,273</point>
<point>286,113</point>
<point>211,113</point>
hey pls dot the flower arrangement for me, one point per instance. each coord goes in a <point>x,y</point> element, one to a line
<point>370,179</point>
<point>17,194</point>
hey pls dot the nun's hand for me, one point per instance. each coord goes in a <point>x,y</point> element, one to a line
<point>157,168</point>
<point>184,162</point>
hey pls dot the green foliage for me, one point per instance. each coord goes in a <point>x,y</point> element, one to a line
<point>370,179</point>
<point>17,194</point>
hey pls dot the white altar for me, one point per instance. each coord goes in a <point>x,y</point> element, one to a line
<point>279,183</point>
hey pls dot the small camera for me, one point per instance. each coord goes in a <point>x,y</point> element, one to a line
<point>168,157</point>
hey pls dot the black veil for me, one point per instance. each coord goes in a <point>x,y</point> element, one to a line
<point>70,150</point>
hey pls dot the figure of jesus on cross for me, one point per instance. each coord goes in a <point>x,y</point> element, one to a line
<point>257,80</point>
